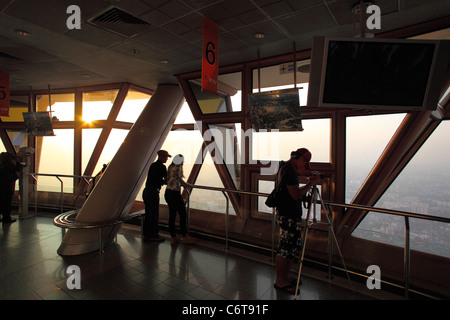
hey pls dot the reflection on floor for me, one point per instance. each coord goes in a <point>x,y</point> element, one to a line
<point>134,270</point>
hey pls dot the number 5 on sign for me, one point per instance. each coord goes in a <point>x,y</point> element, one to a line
<point>210,56</point>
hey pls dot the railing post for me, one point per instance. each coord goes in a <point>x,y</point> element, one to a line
<point>57,176</point>
<point>273,234</point>
<point>188,208</point>
<point>61,195</point>
<point>226,221</point>
<point>35,194</point>
<point>406,257</point>
<point>100,240</point>
<point>330,245</point>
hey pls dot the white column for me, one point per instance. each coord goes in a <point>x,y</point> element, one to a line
<point>116,191</point>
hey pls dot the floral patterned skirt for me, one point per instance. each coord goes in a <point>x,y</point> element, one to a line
<point>290,242</point>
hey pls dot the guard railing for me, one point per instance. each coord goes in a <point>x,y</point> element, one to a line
<point>224,191</point>
<point>406,215</point>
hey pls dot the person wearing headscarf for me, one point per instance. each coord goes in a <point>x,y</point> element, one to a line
<point>175,200</point>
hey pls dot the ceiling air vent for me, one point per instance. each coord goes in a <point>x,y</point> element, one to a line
<point>118,21</point>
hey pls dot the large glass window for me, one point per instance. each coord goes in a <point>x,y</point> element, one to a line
<point>228,98</point>
<point>266,186</point>
<point>227,148</point>
<point>55,154</point>
<point>189,144</point>
<point>367,136</point>
<point>115,140</point>
<point>277,146</point>
<point>422,187</point>
<point>282,77</point>
<point>97,105</point>
<point>185,115</point>
<point>90,138</point>
<point>62,106</point>
<point>208,199</point>
<point>133,105</point>
<point>56,157</point>
<point>17,106</point>
<point>185,142</point>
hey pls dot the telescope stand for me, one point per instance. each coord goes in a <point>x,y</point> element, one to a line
<point>312,201</point>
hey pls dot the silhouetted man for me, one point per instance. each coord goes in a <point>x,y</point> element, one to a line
<point>157,176</point>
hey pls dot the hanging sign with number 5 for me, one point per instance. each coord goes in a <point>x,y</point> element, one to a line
<point>4,94</point>
<point>210,56</point>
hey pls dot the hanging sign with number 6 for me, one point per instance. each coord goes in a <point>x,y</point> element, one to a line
<point>210,56</point>
<point>4,94</point>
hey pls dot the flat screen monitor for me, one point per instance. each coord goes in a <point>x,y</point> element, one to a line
<point>405,75</point>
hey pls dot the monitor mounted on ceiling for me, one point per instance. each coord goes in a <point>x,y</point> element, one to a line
<point>398,74</point>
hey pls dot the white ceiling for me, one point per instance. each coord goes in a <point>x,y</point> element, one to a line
<point>95,54</point>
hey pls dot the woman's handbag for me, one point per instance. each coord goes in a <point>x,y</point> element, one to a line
<point>273,199</point>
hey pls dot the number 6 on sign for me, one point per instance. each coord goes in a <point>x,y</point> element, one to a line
<point>210,53</point>
<point>210,57</point>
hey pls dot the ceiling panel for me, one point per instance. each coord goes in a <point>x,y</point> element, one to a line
<point>161,39</point>
<point>305,21</point>
<point>269,29</point>
<point>277,9</point>
<point>174,34</point>
<point>89,7</point>
<point>93,35</point>
<point>174,9</point>
<point>156,17</point>
<point>38,14</point>
<point>135,49</point>
<point>199,4</point>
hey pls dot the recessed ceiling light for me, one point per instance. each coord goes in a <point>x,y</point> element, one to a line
<point>23,33</point>
<point>259,35</point>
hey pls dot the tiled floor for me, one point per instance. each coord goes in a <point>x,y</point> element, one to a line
<point>134,270</point>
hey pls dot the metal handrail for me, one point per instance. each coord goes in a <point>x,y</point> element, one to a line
<point>57,176</point>
<point>389,211</point>
<point>405,214</point>
<point>227,214</point>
